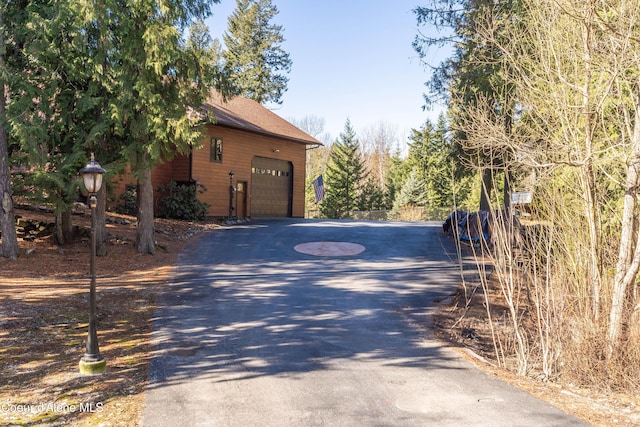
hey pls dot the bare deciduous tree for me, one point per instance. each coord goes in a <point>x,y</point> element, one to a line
<point>377,142</point>
<point>573,65</point>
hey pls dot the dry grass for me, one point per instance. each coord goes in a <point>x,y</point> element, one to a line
<point>44,318</point>
<point>43,339</point>
<point>581,380</point>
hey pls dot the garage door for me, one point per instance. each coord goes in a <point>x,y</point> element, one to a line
<point>271,187</point>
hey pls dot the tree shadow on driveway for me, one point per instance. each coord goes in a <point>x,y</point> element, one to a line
<point>227,317</point>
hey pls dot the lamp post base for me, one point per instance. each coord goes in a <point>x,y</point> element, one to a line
<point>92,367</point>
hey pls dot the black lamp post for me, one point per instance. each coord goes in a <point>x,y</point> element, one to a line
<point>230,194</point>
<point>92,363</point>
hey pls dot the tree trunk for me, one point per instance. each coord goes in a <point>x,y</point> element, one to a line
<point>591,215</point>
<point>59,234</point>
<point>506,191</point>
<point>7,216</point>
<point>589,183</point>
<point>508,125</point>
<point>487,187</point>
<point>67,225</point>
<point>101,231</point>
<point>64,226</point>
<point>145,238</point>
<point>628,256</point>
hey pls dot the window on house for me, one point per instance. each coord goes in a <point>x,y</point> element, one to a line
<point>215,154</point>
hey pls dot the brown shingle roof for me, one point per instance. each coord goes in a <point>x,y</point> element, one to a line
<point>246,114</point>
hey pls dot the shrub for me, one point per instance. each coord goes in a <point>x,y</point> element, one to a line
<point>129,201</point>
<point>181,201</point>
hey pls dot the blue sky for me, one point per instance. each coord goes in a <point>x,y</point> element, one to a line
<point>351,59</point>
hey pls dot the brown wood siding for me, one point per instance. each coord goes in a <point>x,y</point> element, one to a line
<point>175,170</point>
<point>180,168</point>
<point>161,175</point>
<point>238,150</point>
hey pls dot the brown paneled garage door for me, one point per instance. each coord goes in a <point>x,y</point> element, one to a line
<point>271,187</point>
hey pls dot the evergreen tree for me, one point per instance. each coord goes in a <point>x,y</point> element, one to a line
<point>371,197</point>
<point>7,217</point>
<point>116,78</point>
<point>344,176</point>
<point>153,78</point>
<point>412,194</point>
<point>438,172</point>
<point>52,104</point>
<point>254,58</point>
<point>471,75</point>
<point>433,156</point>
<point>206,55</point>
<point>396,175</point>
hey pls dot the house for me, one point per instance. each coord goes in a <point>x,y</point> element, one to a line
<point>251,162</point>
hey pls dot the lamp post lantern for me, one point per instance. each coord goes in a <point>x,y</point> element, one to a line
<point>230,195</point>
<point>92,363</point>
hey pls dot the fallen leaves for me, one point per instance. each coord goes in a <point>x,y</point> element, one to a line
<point>44,318</point>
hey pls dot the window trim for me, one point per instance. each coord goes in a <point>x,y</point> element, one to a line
<point>215,149</point>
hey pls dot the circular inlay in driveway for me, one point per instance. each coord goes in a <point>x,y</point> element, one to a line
<point>329,248</point>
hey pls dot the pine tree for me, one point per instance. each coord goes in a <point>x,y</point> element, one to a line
<point>344,176</point>
<point>254,58</point>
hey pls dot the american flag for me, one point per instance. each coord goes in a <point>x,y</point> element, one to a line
<point>318,187</point>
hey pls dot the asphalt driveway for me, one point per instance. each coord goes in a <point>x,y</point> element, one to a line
<point>313,323</point>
